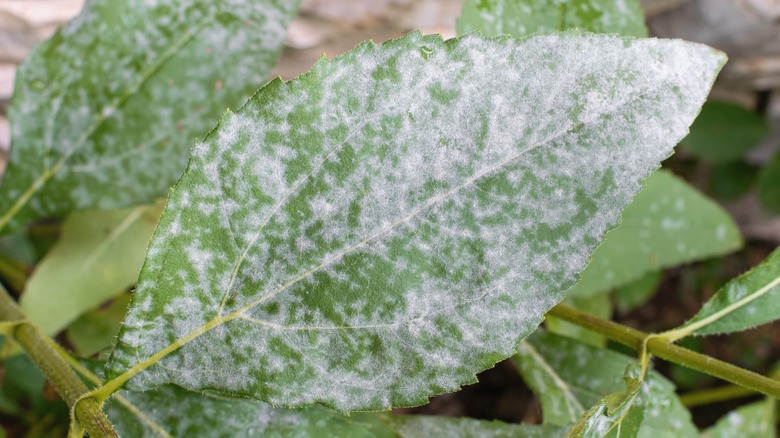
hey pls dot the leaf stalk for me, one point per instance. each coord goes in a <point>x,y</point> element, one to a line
<point>88,412</point>
<point>661,347</point>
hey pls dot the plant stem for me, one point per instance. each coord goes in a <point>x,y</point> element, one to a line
<point>88,412</point>
<point>662,348</point>
<point>714,395</point>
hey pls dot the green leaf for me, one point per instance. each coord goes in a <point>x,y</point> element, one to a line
<point>731,180</point>
<point>104,112</point>
<point>747,301</point>
<point>560,405</point>
<point>569,377</point>
<point>382,228</point>
<point>635,294</point>
<point>96,330</point>
<point>616,415</point>
<point>769,185</point>
<point>170,411</point>
<point>526,17</point>
<point>756,420</point>
<point>98,256</point>
<point>724,132</point>
<point>667,224</point>
<point>424,426</point>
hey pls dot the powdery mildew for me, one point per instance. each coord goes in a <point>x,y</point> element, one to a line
<point>525,17</point>
<point>105,111</point>
<point>401,217</point>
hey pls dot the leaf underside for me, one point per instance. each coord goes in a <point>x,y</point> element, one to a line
<point>570,377</point>
<point>97,257</point>
<point>384,227</point>
<point>105,111</point>
<point>755,420</point>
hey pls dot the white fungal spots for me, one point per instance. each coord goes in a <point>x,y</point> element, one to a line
<point>111,108</point>
<point>519,18</point>
<point>416,219</point>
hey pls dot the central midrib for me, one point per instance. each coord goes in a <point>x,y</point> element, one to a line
<point>219,320</point>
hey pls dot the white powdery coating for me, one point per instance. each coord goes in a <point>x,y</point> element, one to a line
<point>525,17</point>
<point>110,104</point>
<point>399,218</point>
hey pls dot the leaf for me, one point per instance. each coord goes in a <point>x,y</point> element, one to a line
<point>382,228</point>
<point>104,112</point>
<point>756,420</point>
<point>560,406</point>
<point>96,330</point>
<point>98,256</point>
<point>565,373</point>
<point>424,426</point>
<point>635,294</point>
<point>769,185</point>
<point>667,224</point>
<point>724,132</point>
<point>729,181</point>
<point>745,302</point>
<point>615,415</point>
<point>526,17</point>
<point>170,411</point>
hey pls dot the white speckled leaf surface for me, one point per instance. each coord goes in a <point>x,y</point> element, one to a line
<point>104,113</point>
<point>526,17</point>
<point>384,227</point>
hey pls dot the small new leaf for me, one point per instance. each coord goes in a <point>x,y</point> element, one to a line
<point>382,228</point>
<point>747,301</point>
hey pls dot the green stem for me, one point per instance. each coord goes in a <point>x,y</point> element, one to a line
<point>662,348</point>
<point>88,412</point>
<point>714,395</point>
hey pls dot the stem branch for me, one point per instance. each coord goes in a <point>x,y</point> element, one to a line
<point>662,348</point>
<point>88,412</point>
